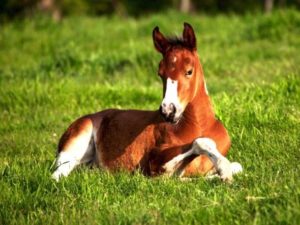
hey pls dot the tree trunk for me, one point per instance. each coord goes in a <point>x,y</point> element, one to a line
<point>186,6</point>
<point>268,6</point>
<point>282,3</point>
<point>119,8</point>
<point>50,7</point>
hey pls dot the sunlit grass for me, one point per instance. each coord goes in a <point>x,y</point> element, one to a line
<point>50,74</point>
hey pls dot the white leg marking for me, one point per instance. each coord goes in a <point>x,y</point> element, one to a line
<point>170,166</point>
<point>65,163</point>
<point>79,151</point>
<point>208,147</point>
<point>235,169</point>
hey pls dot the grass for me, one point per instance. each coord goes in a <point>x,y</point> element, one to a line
<point>52,73</point>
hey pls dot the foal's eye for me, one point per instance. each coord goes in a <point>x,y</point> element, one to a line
<point>189,73</point>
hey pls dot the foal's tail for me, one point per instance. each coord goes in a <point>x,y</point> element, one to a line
<point>76,146</point>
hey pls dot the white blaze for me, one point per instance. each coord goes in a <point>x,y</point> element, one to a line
<point>171,95</point>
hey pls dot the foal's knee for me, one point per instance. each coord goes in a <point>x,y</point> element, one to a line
<point>201,145</point>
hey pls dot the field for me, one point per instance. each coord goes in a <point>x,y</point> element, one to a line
<point>50,74</point>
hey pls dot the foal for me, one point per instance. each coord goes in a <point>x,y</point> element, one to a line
<point>183,137</point>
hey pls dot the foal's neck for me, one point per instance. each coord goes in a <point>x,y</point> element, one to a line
<point>199,114</point>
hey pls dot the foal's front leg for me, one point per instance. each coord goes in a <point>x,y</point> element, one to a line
<point>208,147</point>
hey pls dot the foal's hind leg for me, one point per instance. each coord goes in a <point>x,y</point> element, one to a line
<point>76,146</point>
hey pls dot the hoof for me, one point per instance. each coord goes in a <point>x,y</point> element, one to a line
<point>236,168</point>
<point>55,177</point>
<point>224,170</point>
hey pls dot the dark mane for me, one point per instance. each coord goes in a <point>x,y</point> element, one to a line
<point>176,41</point>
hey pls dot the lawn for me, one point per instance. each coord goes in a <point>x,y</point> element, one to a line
<point>50,74</point>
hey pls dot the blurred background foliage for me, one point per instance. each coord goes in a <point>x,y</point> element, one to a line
<point>18,9</point>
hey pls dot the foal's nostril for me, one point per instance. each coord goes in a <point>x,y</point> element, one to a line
<point>172,108</point>
<point>161,110</point>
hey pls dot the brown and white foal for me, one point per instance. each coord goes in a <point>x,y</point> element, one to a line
<point>183,137</point>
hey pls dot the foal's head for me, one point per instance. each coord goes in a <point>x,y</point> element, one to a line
<point>179,71</point>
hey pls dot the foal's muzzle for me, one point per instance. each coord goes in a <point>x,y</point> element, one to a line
<point>168,112</point>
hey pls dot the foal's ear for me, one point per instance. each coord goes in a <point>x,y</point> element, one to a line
<point>160,42</point>
<point>189,37</point>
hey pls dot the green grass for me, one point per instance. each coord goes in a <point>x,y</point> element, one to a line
<point>51,74</point>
